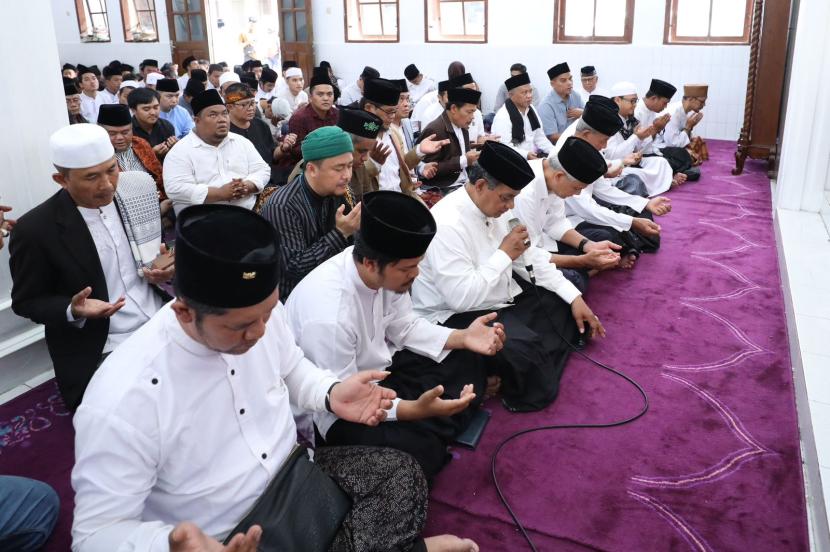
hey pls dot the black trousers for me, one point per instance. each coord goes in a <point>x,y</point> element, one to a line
<point>426,440</point>
<point>534,354</point>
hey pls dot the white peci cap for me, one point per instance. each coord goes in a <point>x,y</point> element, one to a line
<point>623,88</point>
<point>80,146</point>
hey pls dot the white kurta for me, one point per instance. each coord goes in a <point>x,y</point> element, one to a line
<point>542,211</point>
<point>654,171</point>
<point>170,431</point>
<point>344,326</point>
<point>674,134</point>
<point>646,117</point>
<point>350,94</point>
<point>193,165</point>
<point>294,101</point>
<point>418,91</point>
<point>535,140</point>
<point>464,269</point>
<point>90,106</point>
<point>108,97</point>
<point>419,114</point>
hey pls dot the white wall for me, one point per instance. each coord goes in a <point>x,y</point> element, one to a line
<point>73,51</point>
<point>804,169</point>
<point>522,31</point>
<point>24,156</point>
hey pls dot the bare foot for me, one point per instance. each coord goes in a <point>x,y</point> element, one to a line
<point>493,386</point>
<point>678,179</point>
<point>627,261</point>
<point>450,543</point>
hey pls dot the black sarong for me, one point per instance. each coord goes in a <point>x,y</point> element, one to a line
<point>533,358</point>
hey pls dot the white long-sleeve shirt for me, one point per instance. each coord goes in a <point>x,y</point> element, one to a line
<point>193,165</point>
<point>646,117</point>
<point>534,139</point>
<point>674,134</point>
<point>350,94</point>
<point>170,430</point>
<point>464,269</point>
<point>542,211</point>
<point>90,106</point>
<point>345,327</point>
<point>418,91</point>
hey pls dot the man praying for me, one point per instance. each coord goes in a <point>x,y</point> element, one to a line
<point>517,122</point>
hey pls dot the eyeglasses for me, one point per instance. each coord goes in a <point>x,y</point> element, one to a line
<point>245,105</point>
<point>632,101</point>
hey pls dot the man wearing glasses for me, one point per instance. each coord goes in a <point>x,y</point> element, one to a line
<point>211,164</point>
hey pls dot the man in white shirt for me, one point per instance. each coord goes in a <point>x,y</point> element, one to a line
<point>91,100</point>
<point>676,142</point>
<point>354,92</point>
<point>417,84</point>
<point>622,218</point>
<point>353,313</point>
<point>589,83</point>
<point>72,265</point>
<point>517,122</point>
<point>188,64</point>
<point>214,73</point>
<point>541,207</point>
<point>469,270</point>
<point>634,143</point>
<point>112,83</point>
<point>430,107</point>
<point>651,113</point>
<point>295,95</point>
<point>186,427</point>
<point>501,95</point>
<point>265,88</point>
<point>211,164</point>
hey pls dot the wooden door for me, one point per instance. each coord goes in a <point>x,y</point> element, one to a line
<point>188,30</point>
<point>296,35</point>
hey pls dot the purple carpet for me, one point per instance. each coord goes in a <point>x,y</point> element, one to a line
<point>714,465</point>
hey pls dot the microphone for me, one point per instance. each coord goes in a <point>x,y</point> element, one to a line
<point>513,223</point>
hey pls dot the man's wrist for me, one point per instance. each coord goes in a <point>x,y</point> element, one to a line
<point>328,397</point>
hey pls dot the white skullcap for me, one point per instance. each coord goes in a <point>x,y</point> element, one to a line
<point>281,108</point>
<point>293,72</point>
<point>80,146</point>
<point>153,78</point>
<point>623,88</point>
<point>229,76</point>
<point>129,84</point>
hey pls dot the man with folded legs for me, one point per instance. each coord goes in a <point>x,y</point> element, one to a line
<point>186,438</point>
<point>353,313</point>
<point>481,261</point>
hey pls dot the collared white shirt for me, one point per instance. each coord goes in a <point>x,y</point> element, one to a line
<point>464,269</point>
<point>534,139</point>
<point>121,275</point>
<point>170,430</point>
<point>674,134</point>
<point>583,207</point>
<point>389,177</point>
<point>419,114</point>
<point>418,91</point>
<point>183,80</point>
<point>108,97</point>
<point>294,101</point>
<point>542,211</point>
<point>350,94</point>
<point>192,166</point>
<point>476,129</point>
<point>646,117</point>
<point>344,326</point>
<point>90,106</point>
<point>459,133</point>
<point>585,94</point>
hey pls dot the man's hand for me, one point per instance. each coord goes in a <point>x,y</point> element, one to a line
<point>431,404</point>
<point>171,142</point>
<point>288,142</point>
<point>157,276</point>
<point>472,156</point>
<point>430,170</point>
<point>574,113</point>
<point>614,173</point>
<point>483,339</point>
<point>516,242</point>
<point>532,155</point>
<point>645,227</point>
<point>487,137</point>
<point>347,224</point>
<point>585,319</point>
<point>429,145</point>
<point>82,306</point>
<point>599,259</point>
<point>243,188</point>
<point>659,206</point>
<point>161,149</point>
<point>661,122</point>
<point>692,121</point>
<point>358,399</point>
<point>643,132</point>
<point>187,537</point>
<point>6,224</point>
<point>601,246</point>
<point>380,152</point>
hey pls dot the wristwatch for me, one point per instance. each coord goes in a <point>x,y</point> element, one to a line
<point>328,397</point>
<point>581,246</point>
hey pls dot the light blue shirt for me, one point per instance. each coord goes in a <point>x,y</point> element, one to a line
<point>180,119</point>
<point>553,111</point>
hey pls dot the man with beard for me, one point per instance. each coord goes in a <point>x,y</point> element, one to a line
<point>211,164</point>
<point>353,313</point>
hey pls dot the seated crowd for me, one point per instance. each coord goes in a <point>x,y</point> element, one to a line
<point>236,263</point>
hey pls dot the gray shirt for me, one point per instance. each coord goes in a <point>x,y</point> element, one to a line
<point>553,111</point>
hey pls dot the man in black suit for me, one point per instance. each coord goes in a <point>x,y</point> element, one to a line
<point>72,266</point>
<point>453,159</point>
